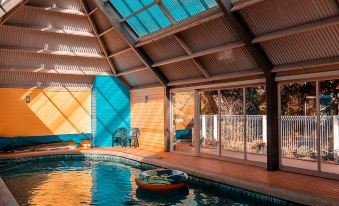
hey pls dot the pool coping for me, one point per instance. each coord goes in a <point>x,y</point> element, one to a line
<point>290,195</point>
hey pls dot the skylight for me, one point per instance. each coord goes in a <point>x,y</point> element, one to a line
<point>148,16</point>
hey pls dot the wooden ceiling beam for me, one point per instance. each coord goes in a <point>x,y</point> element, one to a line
<point>51,30</point>
<point>252,72</point>
<point>53,71</point>
<point>331,61</point>
<point>57,10</point>
<point>205,52</point>
<point>137,69</point>
<point>188,50</point>
<point>297,29</point>
<point>243,4</point>
<point>53,52</point>
<point>120,52</point>
<point>206,16</point>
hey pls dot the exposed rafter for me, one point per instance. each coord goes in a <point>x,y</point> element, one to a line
<point>12,12</point>
<point>120,52</point>
<point>52,52</point>
<point>52,30</point>
<point>55,9</point>
<point>123,29</point>
<point>205,52</point>
<point>52,71</point>
<point>188,50</point>
<point>297,29</point>
<point>243,4</point>
<point>95,30</point>
<point>332,61</point>
<point>137,69</point>
<point>242,74</point>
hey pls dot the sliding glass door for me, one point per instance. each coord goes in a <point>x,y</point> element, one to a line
<point>309,125</point>
<point>182,122</point>
<point>209,128</point>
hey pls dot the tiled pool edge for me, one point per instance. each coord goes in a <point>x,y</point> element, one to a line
<point>6,197</point>
<point>280,193</point>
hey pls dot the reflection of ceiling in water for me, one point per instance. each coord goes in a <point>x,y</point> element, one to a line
<point>74,187</point>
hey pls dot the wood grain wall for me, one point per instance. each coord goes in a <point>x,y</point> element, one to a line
<point>149,117</point>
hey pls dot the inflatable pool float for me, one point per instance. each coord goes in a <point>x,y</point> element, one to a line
<point>161,180</point>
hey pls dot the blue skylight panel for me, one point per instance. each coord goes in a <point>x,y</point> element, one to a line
<point>178,12</point>
<point>154,18</point>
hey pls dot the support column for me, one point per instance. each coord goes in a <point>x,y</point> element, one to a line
<point>336,136</point>
<point>272,120</point>
<point>167,120</point>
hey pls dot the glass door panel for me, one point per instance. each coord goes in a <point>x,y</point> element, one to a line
<point>256,124</point>
<point>298,126</point>
<point>329,125</point>
<point>209,111</point>
<point>232,123</point>
<point>182,120</point>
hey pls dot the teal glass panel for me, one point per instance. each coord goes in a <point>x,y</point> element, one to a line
<point>154,18</point>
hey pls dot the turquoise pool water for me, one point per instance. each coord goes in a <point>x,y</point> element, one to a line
<point>91,182</point>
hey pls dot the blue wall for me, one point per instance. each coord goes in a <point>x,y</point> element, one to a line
<point>112,109</point>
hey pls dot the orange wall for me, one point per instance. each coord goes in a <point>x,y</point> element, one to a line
<point>149,117</point>
<point>50,112</point>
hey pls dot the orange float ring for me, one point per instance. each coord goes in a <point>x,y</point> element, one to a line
<point>154,187</point>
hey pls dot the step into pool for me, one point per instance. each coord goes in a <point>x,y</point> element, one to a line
<point>109,180</point>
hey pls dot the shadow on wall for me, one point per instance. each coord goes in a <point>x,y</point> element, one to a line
<point>50,116</point>
<point>112,109</point>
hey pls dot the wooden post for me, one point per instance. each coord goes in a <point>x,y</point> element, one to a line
<point>167,118</point>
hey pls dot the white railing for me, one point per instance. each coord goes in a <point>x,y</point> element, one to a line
<point>298,134</point>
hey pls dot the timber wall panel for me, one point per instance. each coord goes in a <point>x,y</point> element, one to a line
<point>50,112</point>
<point>149,117</point>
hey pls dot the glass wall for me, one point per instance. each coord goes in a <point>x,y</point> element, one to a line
<point>209,132</point>
<point>182,122</point>
<point>329,125</point>
<point>298,125</point>
<point>232,123</point>
<point>256,124</point>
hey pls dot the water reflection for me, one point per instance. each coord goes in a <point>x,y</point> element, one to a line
<point>101,183</point>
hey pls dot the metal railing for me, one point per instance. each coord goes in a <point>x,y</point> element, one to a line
<point>298,134</point>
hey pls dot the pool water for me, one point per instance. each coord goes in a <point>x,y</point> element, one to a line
<point>102,183</point>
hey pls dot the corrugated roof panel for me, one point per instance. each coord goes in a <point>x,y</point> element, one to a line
<point>101,21</point>
<point>228,61</point>
<point>33,17</point>
<point>321,43</point>
<point>25,79</point>
<point>114,42</point>
<point>140,78</point>
<point>181,70</point>
<point>25,38</point>
<point>127,60</point>
<point>164,48</point>
<point>210,34</point>
<point>35,60</point>
<point>267,16</point>
<point>69,4</point>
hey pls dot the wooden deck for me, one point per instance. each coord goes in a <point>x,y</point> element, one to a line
<point>294,187</point>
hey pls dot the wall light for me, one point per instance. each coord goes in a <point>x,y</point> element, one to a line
<point>28,99</point>
<point>146,99</point>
